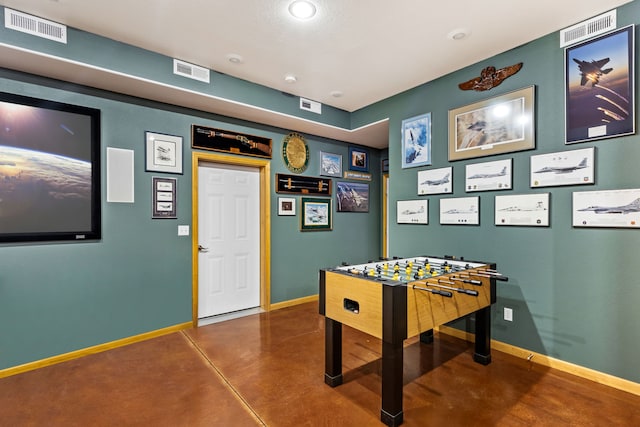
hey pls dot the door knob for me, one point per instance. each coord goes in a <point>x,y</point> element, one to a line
<point>202,249</point>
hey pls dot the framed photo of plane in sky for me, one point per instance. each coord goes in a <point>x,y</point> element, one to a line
<point>599,87</point>
<point>498,125</point>
<point>316,214</point>
<point>416,141</point>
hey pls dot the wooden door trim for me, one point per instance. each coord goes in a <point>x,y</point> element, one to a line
<point>264,167</point>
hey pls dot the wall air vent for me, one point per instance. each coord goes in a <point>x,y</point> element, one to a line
<point>308,105</point>
<point>589,28</point>
<point>35,26</point>
<point>191,71</point>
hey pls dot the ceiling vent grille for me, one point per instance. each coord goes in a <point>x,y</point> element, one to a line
<point>309,105</point>
<point>191,71</point>
<point>35,26</point>
<point>587,29</point>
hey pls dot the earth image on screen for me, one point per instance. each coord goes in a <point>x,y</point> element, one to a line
<point>43,192</point>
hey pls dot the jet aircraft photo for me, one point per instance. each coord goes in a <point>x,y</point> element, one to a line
<point>591,72</point>
<point>489,175</point>
<point>625,209</point>
<point>563,169</point>
<point>444,180</point>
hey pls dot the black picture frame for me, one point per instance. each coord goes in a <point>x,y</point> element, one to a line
<point>600,87</point>
<point>358,159</point>
<point>50,163</point>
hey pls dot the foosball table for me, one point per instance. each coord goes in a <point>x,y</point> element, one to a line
<point>401,298</point>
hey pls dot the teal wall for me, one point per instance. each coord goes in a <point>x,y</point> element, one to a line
<point>60,297</point>
<point>574,292</point>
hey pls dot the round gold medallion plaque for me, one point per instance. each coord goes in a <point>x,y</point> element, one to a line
<point>295,152</point>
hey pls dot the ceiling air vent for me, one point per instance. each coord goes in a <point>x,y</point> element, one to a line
<point>191,71</point>
<point>309,105</point>
<point>35,26</point>
<point>587,29</point>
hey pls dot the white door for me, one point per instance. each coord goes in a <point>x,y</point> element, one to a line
<point>228,238</point>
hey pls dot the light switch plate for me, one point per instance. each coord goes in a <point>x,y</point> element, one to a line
<point>183,230</point>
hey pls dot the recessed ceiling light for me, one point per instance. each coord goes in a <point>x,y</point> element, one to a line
<point>235,58</point>
<point>290,78</point>
<point>459,34</point>
<point>302,9</point>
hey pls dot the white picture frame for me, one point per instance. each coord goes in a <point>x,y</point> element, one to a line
<point>286,206</point>
<point>574,167</point>
<point>609,208</point>
<point>488,176</point>
<point>412,211</point>
<point>530,210</point>
<point>435,181</point>
<point>460,211</point>
<point>163,153</point>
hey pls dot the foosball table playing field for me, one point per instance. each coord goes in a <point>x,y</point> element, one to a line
<point>401,298</point>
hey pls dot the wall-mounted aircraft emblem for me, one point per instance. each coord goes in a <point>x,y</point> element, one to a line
<point>490,78</point>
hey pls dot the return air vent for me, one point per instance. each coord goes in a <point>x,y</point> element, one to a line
<point>35,26</point>
<point>587,29</point>
<point>309,105</point>
<point>191,71</point>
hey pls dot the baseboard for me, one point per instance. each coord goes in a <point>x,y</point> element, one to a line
<point>550,362</point>
<point>91,350</point>
<point>125,341</point>
<point>293,302</point>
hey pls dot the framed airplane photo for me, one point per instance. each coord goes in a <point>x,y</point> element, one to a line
<point>416,141</point>
<point>599,87</point>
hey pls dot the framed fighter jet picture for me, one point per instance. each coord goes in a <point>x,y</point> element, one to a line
<point>574,167</point>
<point>498,125</point>
<point>435,181</point>
<point>416,141</point>
<point>529,210</point>
<point>488,176</point>
<point>609,208</point>
<point>412,211</point>
<point>599,87</point>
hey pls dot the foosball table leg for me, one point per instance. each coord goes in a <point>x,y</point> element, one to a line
<point>332,352</point>
<point>426,337</point>
<point>482,352</point>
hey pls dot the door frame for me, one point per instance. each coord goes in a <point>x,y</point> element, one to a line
<point>264,167</point>
<point>385,215</point>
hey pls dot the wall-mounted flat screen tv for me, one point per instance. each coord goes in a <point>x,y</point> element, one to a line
<point>49,170</point>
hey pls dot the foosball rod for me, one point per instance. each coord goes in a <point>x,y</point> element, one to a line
<point>463,280</point>
<point>451,288</point>
<point>434,291</point>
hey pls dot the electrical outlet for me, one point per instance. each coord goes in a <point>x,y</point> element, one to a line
<point>508,314</point>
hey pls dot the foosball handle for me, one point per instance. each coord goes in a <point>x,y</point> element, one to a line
<point>443,293</point>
